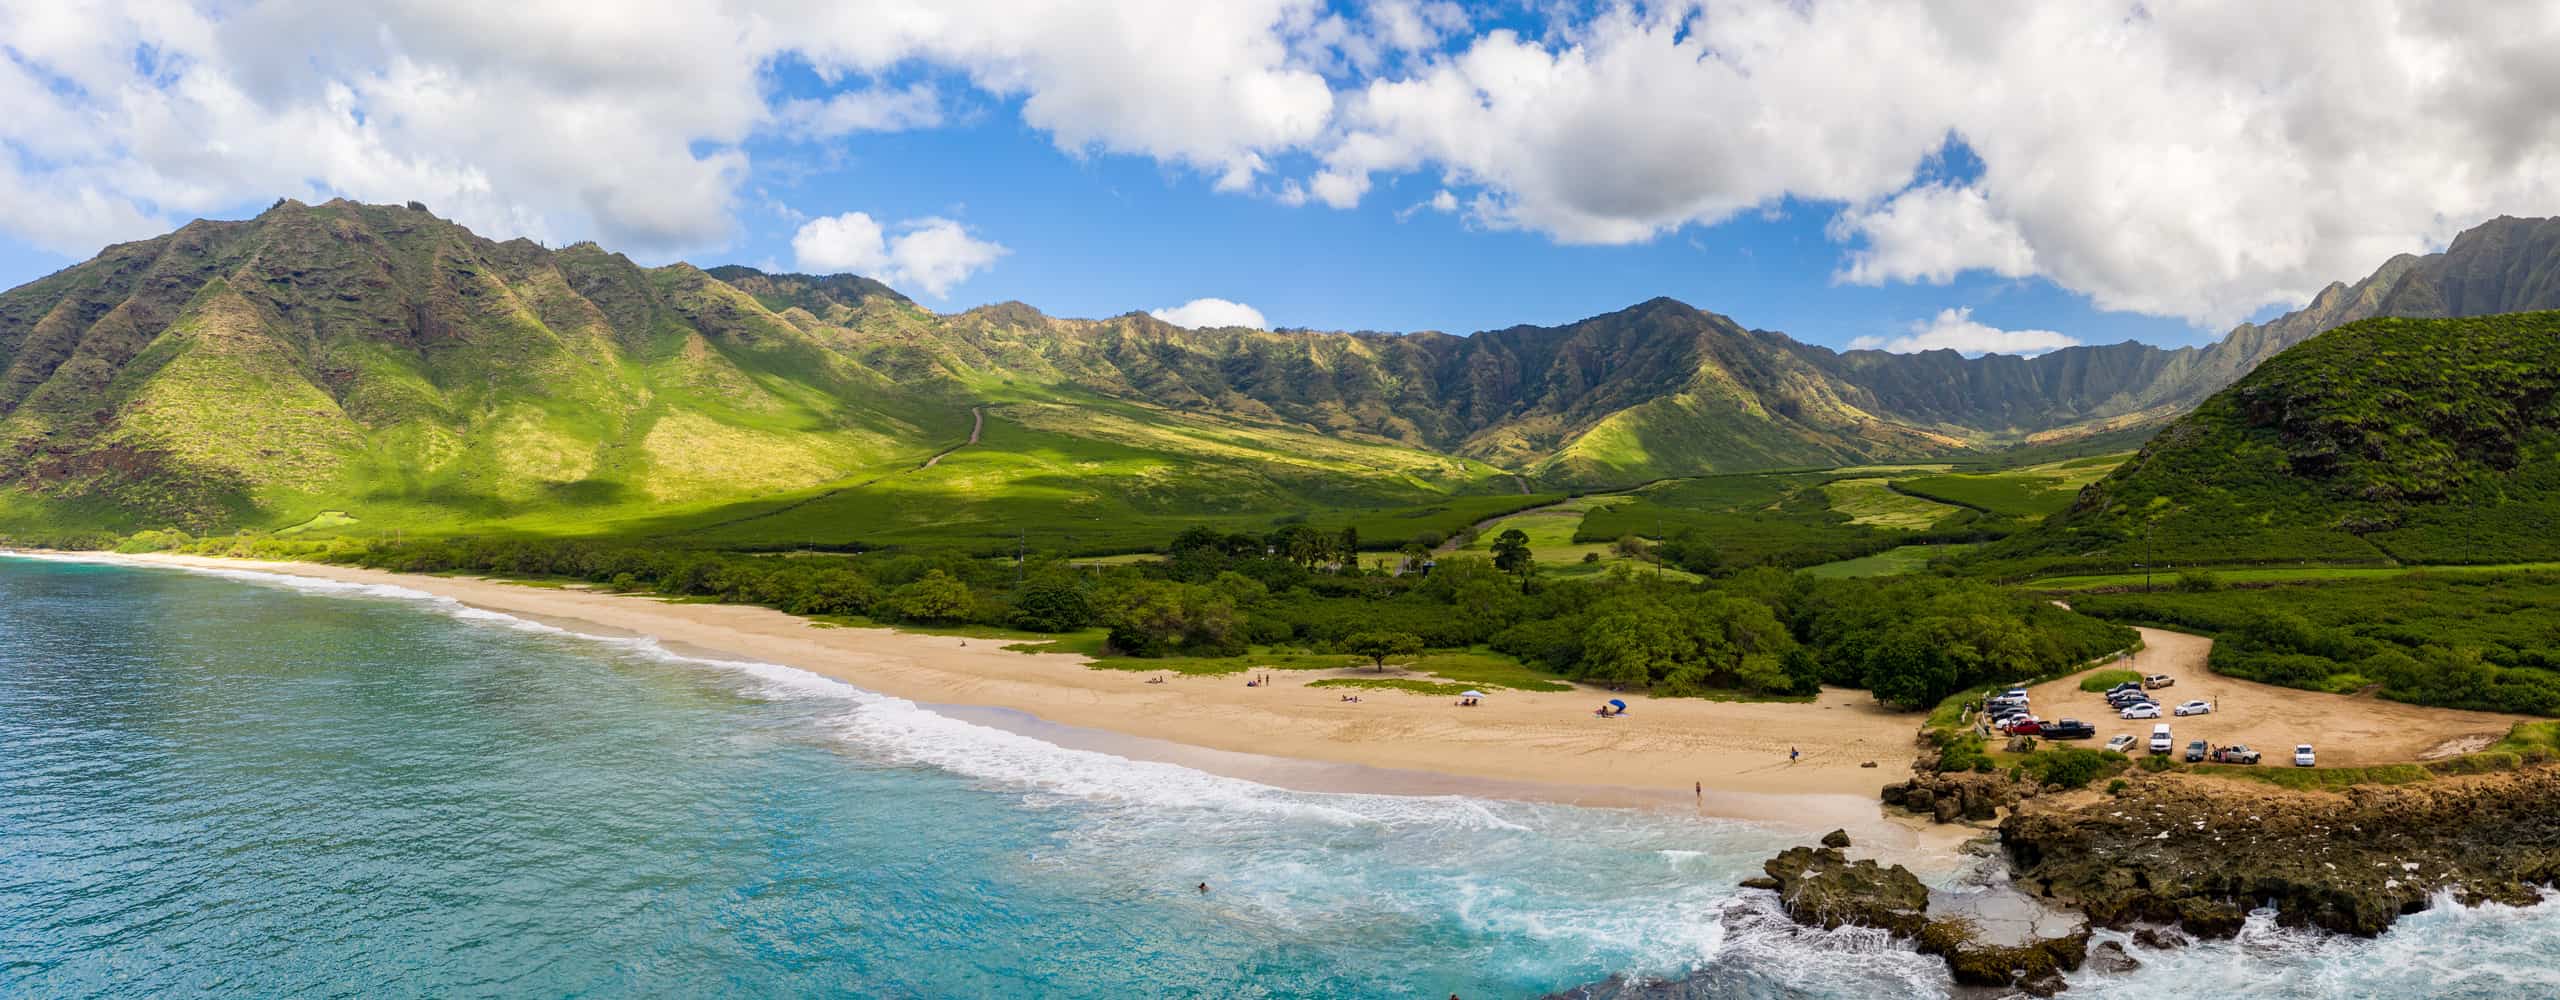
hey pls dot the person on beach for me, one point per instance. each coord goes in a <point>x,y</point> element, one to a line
<point>1792,754</point>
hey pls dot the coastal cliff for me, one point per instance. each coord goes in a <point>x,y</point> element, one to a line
<point>2202,852</point>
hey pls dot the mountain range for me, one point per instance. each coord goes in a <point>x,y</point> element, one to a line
<point>381,363</point>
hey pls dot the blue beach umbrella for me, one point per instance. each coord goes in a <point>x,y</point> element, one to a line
<point>1616,704</point>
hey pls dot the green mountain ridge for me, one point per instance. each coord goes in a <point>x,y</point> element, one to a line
<point>380,361</point>
<point>2422,441</point>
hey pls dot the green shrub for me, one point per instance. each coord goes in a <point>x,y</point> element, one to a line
<point>2105,679</point>
<point>2073,767</point>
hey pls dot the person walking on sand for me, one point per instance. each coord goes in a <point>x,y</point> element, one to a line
<point>1792,754</point>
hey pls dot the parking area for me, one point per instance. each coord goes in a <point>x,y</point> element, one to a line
<point>2349,731</point>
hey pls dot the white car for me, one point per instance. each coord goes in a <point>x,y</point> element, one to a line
<point>2120,742</point>
<point>2195,708</point>
<point>2302,756</point>
<point>2161,741</point>
<point>2142,711</point>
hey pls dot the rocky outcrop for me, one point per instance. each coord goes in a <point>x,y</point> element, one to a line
<point>1956,796</point>
<point>2035,966</point>
<point>2201,852</point>
<point>1821,887</point>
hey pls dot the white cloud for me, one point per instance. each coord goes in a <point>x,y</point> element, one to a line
<point>933,255</point>
<point>1204,314</point>
<point>561,120</point>
<point>878,110</point>
<point>1931,233</point>
<point>1957,330</point>
<point>1211,86</point>
<point>2177,157</point>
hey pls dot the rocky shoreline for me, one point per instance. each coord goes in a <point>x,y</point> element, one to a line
<point>2201,852</point>
<point>2169,858</point>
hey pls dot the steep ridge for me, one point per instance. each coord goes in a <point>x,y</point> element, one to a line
<point>343,355</point>
<point>2415,440</point>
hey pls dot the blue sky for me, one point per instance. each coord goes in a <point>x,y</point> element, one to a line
<point>1099,235</point>
<point>2012,176</point>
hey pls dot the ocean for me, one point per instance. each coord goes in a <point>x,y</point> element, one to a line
<point>245,784</point>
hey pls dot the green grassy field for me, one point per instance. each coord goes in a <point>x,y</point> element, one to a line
<point>1101,477</point>
<point>1874,502</point>
<point>1890,562</point>
<point>1552,532</point>
<point>2030,492</point>
<point>2254,575</point>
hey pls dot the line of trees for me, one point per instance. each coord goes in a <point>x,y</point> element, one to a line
<point>1762,631</point>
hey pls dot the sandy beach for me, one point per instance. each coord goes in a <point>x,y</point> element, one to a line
<point>1509,746</point>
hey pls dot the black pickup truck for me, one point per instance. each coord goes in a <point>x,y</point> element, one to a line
<point>2068,729</point>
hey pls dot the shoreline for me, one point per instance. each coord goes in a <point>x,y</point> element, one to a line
<point>1520,745</point>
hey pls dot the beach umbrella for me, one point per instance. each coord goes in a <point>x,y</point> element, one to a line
<point>1471,694</point>
<point>1616,704</point>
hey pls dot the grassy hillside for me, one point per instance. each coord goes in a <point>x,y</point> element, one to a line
<point>2388,440</point>
<point>373,369</point>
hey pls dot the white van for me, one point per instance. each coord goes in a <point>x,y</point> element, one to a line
<point>2161,741</point>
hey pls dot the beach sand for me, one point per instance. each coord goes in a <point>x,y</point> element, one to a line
<point>1532,745</point>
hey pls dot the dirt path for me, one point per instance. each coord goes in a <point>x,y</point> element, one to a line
<point>977,422</point>
<point>2349,731</point>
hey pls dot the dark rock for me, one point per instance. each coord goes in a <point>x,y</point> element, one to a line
<point>2210,920</point>
<point>2199,852</point>
<point>1836,838</point>
<point>1819,887</point>
<point>2159,938</point>
<point>1947,810</point>
<point>1920,799</point>
<point>1762,882</point>
<point>1893,794</point>
<point>2110,958</point>
<point>2035,967</point>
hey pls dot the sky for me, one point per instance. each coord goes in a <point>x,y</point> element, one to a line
<point>1968,174</point>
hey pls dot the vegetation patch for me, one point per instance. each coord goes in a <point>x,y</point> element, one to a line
<point>2104,679</point>
<point>1443,688</point>
<point>2469,640</point>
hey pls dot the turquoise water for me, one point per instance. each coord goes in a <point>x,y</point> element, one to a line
<point>258,786</point>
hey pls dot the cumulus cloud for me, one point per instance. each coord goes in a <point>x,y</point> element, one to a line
<point>930,254</point>
<point>2176,157</point>
<point>560,119</point>
<point>1957,330</point>
<point>876,110</point>
<point>1205,314</point>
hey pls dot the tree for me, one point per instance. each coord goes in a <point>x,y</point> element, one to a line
<point>1379,646</point>
<point>1053,602</point>
<point>934,597</point>
<point>1511,555</point>
<point>1347,546</point>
